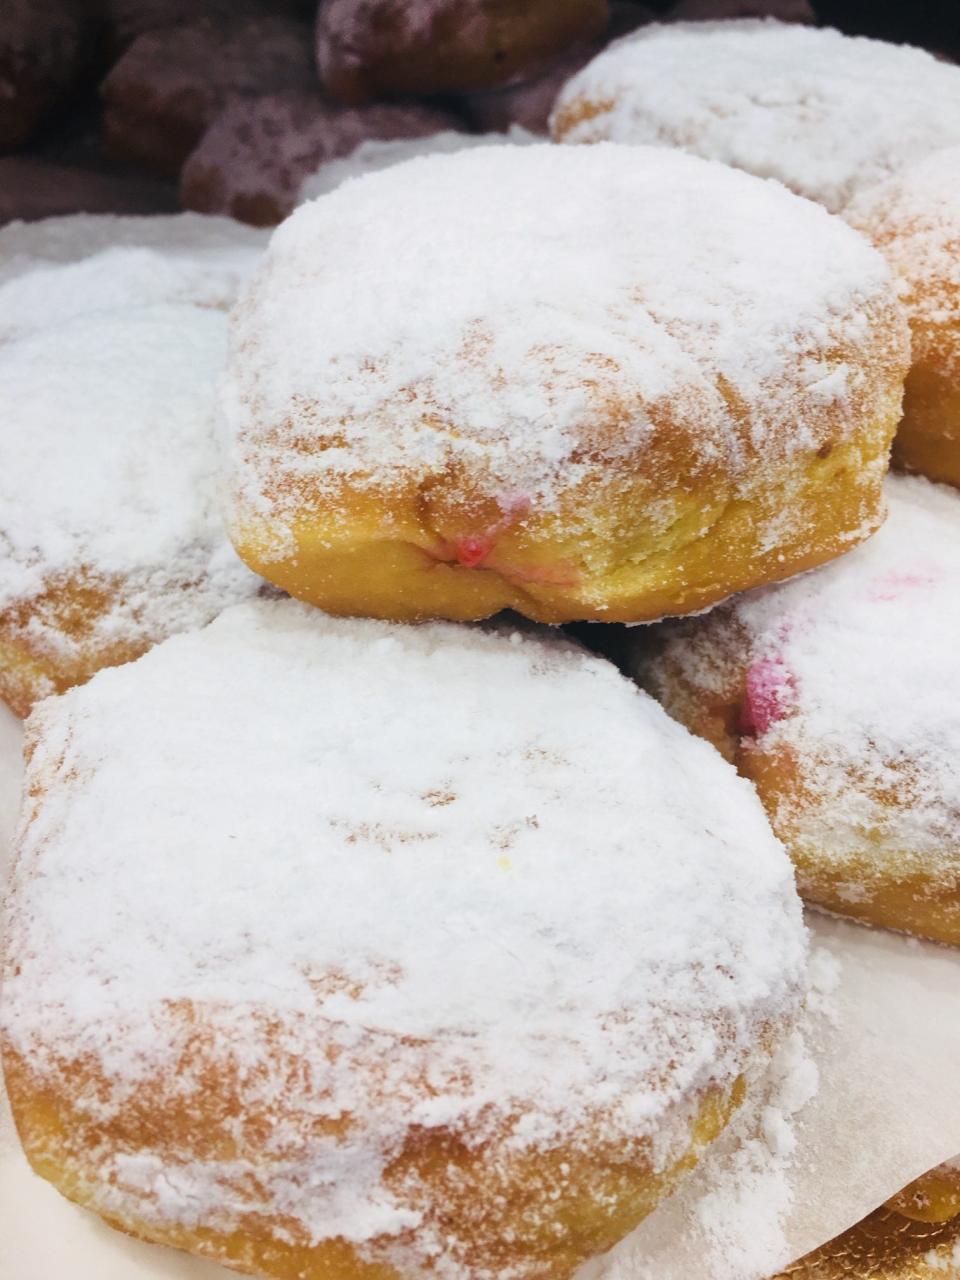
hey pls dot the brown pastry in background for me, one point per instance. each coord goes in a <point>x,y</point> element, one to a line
<point>251,161</point>
<point>171,84</point>
<point>41,52</point>
<point>368,48</point>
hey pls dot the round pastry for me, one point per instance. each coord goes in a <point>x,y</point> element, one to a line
<point>40,56</point>
<point>576,382</point>
<point>371,157</point>
<point>224,1034</point>
<point>837,695</point>
<point>109,524</point>
<point>206,270</point>
<point>368,48</point>
<point>826,114</point>
<point>252,160</point>
<point>171,84</point>
<point>934,1197</point>
<point>914,220</point>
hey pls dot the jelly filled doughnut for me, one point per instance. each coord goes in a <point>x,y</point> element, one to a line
<point>41,52</point>
<point>914,220</point>
<point>252,160</point>
<point>108,513</point>
<point>579,382</point>
<point>171,84</point>
<point>934,1197</point>
<point>837,695</point>
<point>205,269</point>
<point>368,48</point>
<point>224,1035</point>
<point>828,115</point>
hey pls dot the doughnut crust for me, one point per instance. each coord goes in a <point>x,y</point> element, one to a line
<point>836,694</point>
<point>582,383</point>
<point>828,115</point>
<point>236,1043</point>
<point>914,220</point>
<point>109,526</point>
<point>372,48</point>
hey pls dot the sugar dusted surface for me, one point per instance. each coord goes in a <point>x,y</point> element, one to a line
<point>915,218</point>
<point>855,670</point>
<point>826,114</point>
<point>182,237</point>
<point>110,465</point>
<point>375,154</point>
<point>525,311</point>
<point>603,922</point>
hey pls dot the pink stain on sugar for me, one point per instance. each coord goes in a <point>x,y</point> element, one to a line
<point>471,551</point>
<point>770,696</point>
<point>891,586</point>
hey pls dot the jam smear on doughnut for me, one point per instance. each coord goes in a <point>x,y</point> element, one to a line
<point>769,696</point>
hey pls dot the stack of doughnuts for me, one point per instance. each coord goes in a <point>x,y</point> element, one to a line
<point>366,934</point>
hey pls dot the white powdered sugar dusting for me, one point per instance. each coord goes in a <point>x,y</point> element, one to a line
<point>114,470</point>
<point>375,154</point>
<point>828,115</point>
<point>853,671</point>
<point>605,923</point>
<point>181,237</point>
<point>915,220</point>
<point>523,312</point>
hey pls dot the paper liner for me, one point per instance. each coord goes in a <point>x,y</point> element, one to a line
<point>886,1043</point>
<point>885,1246</point>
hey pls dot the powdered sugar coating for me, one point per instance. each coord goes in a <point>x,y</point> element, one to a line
<point>372,156</point>
<point>110,469</point>
<point>512,295</point>
<point>914,219</point>
<point>826,114</point>
<point>182,237</point>
<point>604,923</point>
<point>852,671</point>
<point>120,278</point>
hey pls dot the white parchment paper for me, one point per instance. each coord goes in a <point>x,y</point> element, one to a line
<point>882,1037</point>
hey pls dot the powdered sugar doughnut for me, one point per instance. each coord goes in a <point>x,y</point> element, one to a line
<point>171,84</point>
<point>826,114</point>
<point>35,294</point>
<point>40,56</point>
<point>934,1197</point>
<point>837,694</point>
<point>368,48</point>
<point>577,382</point>
<point>109,525</point>
<point>371,157</point>
<point>253,159</point>
<point>914,220</point>
<point>236,1044</point>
